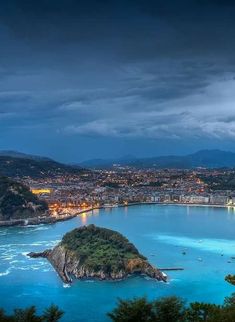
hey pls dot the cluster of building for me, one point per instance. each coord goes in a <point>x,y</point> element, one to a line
<point>122,186</point>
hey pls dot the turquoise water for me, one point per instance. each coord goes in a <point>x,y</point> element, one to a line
<point>161,233</point>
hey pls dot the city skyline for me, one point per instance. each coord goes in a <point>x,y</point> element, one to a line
<point>103,79</point>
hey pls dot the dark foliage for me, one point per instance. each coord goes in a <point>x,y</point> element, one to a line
<point>51,314</point>
<point>17,201</point>
<point>225,181</point>
<point>100,248</point>
<point>22,167</point>
<point>172,309</point>
<point>230,279</point>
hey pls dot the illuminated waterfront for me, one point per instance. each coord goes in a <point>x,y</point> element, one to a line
<point>162,233</point>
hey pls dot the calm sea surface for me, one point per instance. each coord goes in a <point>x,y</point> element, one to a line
<point>161,233</point>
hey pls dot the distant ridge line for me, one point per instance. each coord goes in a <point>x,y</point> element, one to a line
<point>203,158</point>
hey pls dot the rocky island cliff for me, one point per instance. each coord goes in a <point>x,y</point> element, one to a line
<point>99,253</point>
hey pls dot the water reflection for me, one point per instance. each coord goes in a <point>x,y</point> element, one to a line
<point>84,218</point>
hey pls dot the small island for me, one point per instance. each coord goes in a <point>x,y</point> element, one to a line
<point>91,252</point>
<point>230,279</point>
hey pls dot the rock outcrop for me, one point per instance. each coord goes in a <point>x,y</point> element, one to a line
<point>97,253</point>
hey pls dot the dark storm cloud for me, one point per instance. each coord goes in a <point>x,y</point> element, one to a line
<point>137,28</point>
<point>128,69</point>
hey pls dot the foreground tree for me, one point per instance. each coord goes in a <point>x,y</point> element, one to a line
<point>198,312</point>
<point>26,315</point>
<point>132,311</point>
<point>228,313</point>
<point>52,314</point>
<point>173,309</point>
<point>4,317</point>
<point>169,309</point>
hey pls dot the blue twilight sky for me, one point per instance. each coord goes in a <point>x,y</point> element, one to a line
<point>105,78</point>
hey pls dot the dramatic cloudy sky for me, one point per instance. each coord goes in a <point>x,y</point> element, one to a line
<point>106,78</point>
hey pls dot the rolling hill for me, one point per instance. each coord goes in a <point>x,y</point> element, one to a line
<point>35,168</point>
<point>18,202</point>
<point>203,158</point>
<point>16,154</point>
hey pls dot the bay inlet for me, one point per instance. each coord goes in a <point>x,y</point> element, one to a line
<point>170,236</point>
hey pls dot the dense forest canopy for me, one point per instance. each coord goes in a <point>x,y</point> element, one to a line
<point>100,248</point>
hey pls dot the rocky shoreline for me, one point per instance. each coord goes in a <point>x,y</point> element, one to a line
<point>38,220</point>
<point>28,221</point>
<point>70,264</point>
<point>68,268</point>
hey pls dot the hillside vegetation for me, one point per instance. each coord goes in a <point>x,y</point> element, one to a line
<point>24,167</point>
<point>100,248</point>
<point>17,201</point>
<point>223,181</point>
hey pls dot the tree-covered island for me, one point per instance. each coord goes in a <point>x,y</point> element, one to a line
<point>99,253</point>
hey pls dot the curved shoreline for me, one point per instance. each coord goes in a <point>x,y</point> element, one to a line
<point>175,204</point>
<point>52,220</point>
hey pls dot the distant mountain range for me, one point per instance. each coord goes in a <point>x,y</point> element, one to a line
<point>203,158</point>
<point>16,154</point>
<point>15,164</point>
